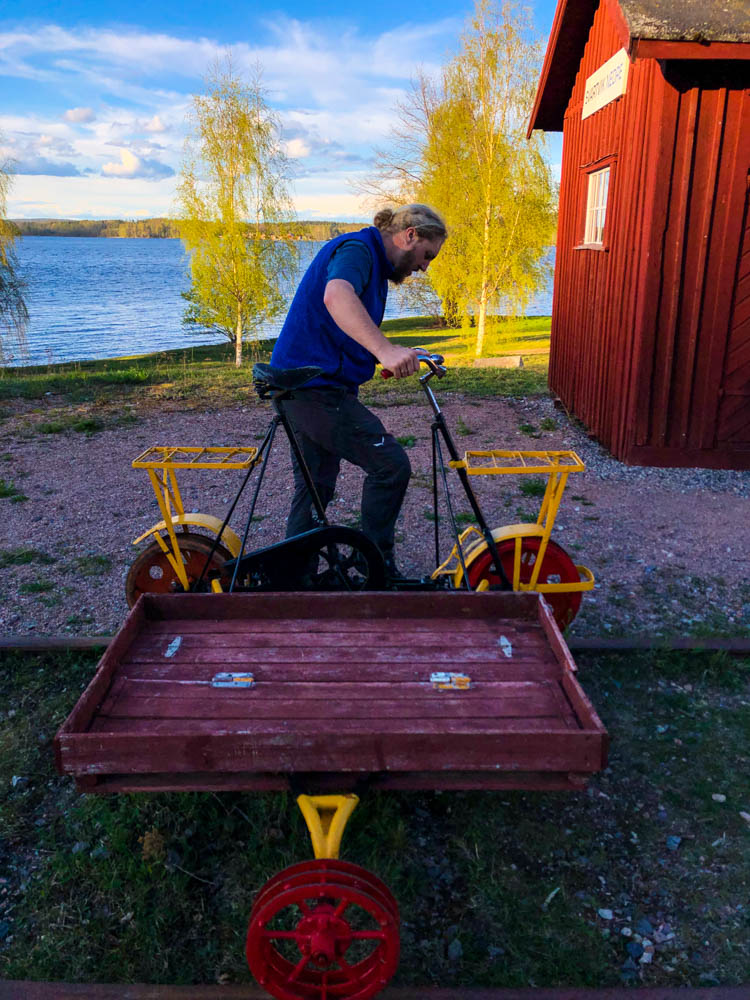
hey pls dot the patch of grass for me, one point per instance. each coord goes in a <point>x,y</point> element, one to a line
<point>36,587</point>
<point>548,424</point>
<point>23,557</point>
<point>533,486</point>
<point>529,429</point>
<point>9,491</point>
<point>407,441</point>
<point>52,427</point>
<point>92,564</point>
<point>466,517</point>
<point>87,425</point>
<point>462,429</point>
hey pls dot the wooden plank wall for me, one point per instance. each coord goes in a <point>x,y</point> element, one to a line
<point>696,236</point>
<point>592,364</point>
<point>640,328</point>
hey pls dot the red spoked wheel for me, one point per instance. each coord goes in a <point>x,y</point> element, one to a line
<point>152,572</point>
<point>557,567</point>
<point>321,930</point>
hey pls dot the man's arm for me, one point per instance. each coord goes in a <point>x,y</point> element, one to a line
<point>348,313</point>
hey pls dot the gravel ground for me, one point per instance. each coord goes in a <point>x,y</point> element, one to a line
<point>669,547</point>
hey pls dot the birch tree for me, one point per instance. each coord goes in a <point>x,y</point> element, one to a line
<point>233,187</point>
<point>14,315</point>
<point>460,145</point>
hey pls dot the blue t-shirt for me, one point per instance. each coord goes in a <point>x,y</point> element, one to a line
<point>352,262</point>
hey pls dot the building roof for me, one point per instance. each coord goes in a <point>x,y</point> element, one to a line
<point>658,29</point>
<point>688,20</point>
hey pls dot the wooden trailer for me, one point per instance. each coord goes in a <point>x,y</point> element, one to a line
<point>246,691</point>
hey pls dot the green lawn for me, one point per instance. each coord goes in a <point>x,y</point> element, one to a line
<point>208,376</point>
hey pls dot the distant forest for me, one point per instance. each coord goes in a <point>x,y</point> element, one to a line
<point>165,229</point>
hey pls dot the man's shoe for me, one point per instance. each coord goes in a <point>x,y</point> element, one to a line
<point>392,572</point>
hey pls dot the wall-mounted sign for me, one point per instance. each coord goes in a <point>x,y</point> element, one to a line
<point>608,83</point>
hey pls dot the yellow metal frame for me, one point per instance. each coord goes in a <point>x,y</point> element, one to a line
<point>556,466</point>
<point>326,817</point>
<point>162,463</point>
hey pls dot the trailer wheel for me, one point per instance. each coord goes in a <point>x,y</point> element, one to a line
<point>152,573</point>
<point>323,929</point>
<point>557,567</point>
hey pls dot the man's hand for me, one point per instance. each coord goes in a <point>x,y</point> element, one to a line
<point>400,361</point>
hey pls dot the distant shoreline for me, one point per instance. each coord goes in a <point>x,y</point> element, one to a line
<point>164,228</point>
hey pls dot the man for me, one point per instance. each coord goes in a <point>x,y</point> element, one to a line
<point>334,323</point>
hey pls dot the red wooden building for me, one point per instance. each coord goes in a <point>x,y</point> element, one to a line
<point>651,310</point>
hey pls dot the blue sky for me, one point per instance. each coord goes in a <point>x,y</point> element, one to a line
<point>94,96</point>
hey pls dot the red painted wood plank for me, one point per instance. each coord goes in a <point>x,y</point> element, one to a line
<point>96,690</point>
<point>516,669</point>
<point>350,781</point>
<point>335,653</point>
<point>458,605</point>
<point>158,628</point>
<point>453,746</point>
<point>282,730</point>
<point>537,702</point>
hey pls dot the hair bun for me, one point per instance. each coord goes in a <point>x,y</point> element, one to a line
<point>384,218</point>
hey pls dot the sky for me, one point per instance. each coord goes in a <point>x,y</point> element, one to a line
<point>94,96</point>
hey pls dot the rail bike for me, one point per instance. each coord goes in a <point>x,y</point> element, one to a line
<point>519,557</point>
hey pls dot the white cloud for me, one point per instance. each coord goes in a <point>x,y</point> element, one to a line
<point>297,148</point>
<point>335,91</point>
<point>79,115</point>
<point>131,165</point>
<point>155,124</point>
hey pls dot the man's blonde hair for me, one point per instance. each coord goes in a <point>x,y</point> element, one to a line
<point>425,220</point>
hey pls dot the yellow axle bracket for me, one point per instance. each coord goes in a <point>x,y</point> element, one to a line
<point>326,817</point>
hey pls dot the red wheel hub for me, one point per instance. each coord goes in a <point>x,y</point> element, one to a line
<point>321,930</point>
<point>557,567</point>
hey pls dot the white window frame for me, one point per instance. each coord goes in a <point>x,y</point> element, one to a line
<point>596,207</point>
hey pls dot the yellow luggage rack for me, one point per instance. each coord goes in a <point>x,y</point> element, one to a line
<point>500,463</point>
<point>171,560</point>
<point>193,457</point>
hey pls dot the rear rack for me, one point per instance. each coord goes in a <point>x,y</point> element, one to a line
<point>192,457</point>
<point>495,462</point>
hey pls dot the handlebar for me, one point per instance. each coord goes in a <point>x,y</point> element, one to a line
<point>435,362</point>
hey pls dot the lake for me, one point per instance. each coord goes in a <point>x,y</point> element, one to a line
<point>93,297</point>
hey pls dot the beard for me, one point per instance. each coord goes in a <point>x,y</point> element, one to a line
<point>405,267</point>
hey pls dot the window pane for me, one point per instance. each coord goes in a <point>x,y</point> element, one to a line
<point>596,206</point>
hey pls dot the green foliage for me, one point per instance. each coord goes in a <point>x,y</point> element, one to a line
<point>9,491</point>
<point>233,185</point>
<point>36,587</point>
<point>93,565</point>
<point>22,557</point>
<point>492,184</point>
<point>533,486</point>
<point>548,424</point>
<point>461,146</point>
<point>407,441</point>
<point>14,315</point>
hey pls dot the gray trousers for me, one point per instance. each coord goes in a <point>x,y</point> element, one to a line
<point>331,424</point>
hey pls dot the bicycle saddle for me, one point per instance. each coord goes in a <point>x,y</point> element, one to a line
<point>266,378</point>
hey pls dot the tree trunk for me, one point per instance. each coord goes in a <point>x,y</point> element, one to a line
<point>238,339</point>
<point>481,320</point>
